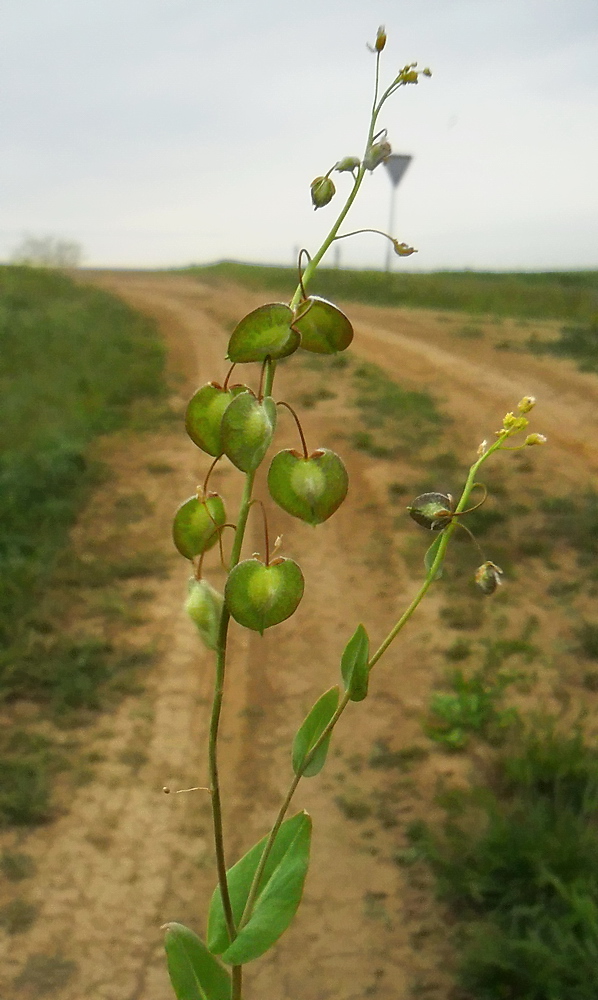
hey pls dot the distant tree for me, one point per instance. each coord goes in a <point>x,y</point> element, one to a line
<point>47,251</point>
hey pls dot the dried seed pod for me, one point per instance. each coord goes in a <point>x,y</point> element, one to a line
<point>432,510</point>
<point>488,577</point>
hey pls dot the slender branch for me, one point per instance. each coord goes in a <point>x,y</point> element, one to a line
<point>299,427</point>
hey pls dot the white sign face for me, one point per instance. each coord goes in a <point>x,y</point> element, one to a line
<point>396,164</point>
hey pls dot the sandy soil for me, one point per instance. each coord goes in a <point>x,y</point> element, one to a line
<point>123,858</point>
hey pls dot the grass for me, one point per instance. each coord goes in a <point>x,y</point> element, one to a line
<point>44,974</point>
<point>518,866</point>
<point>396,421</point>
<point>16,866</point>
<point>17,916</point>
<point>567,295</point>
<point>579,343</point>
<point>75,361</point>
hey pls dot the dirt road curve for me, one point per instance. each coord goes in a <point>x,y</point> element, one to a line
<point>125,858</point>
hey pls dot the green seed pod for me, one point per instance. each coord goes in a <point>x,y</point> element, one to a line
<point>247,428</point>
<point>203,418</point>
<point>324,328</point>
<point>196,524</point>
<point>204,606</point>
<point>259,596</point>
<point>322,191</point>
<point>432,510</point>
<point>376,154</point>
<point>264,333</point>
<point>348,164</point>
<point>309,488</point>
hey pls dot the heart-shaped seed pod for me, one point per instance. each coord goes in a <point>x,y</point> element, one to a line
<point>204,606</point>
<point>432,510</point>
<point>247,428</point>
<point>259,596</point>
<point>310,488</point>
<point>324,328</point>
<point>196,524</point>
<point>203,419</point>
<point>265,332</point>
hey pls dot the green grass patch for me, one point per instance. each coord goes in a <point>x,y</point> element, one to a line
<point>395,421</point>
<point>75,361</point>
<point>579,343</point>
<point>568,295</point>
<point>519,867</point>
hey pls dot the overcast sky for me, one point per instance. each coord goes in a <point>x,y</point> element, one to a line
<point>165,132</point>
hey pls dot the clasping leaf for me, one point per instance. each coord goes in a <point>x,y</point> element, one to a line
<point>279,895</point>
<point>311,729</point>
<point>354,664</point>
<point>194,973</point>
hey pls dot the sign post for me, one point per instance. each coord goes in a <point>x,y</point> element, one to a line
<point>396,164</point>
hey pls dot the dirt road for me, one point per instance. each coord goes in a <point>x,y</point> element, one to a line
<point>124,858</point>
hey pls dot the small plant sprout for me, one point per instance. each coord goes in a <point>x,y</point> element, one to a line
<point>256,898</point>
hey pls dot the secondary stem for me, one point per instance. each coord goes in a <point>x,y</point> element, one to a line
<point>430,577</point>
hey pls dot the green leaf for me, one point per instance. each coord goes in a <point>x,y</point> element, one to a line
<point>431,555</point>
<point>311,729</point>
<point>278,898</point>
<point>354,664</point>
<point>265,332</point>
<point>194,973</point>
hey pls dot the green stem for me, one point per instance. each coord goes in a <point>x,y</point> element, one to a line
<point>215,719</point>
<point>257,878</point>
<point>237,984</point>
<point>313,264</point>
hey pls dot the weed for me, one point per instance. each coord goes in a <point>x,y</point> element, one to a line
<point>521,872</point>
<point>566,295</point>
<point>24,790</point>
<point>396,420</point>
<point>17,916</point>
<point>469,332</point>
<point>16,866</point>
<point>459,650</point>
<point>382,756</point>
<point>44,974</point>
<point>463,615</point>
<point>353,807</point>
<point>470,707</point>
<point>587,636</point>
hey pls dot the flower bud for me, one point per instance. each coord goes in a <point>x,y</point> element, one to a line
<point>377,154</point>
<point>322,191</point>
<point>348,164</point>
<point>380,39</point>
<point>488,577</point>
<point>535,439</point>
<point>204,607</point>
<point>526,404</point>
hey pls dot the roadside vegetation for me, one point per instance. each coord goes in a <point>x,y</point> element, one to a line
<point>567,295</point>
<point>77,363</point>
